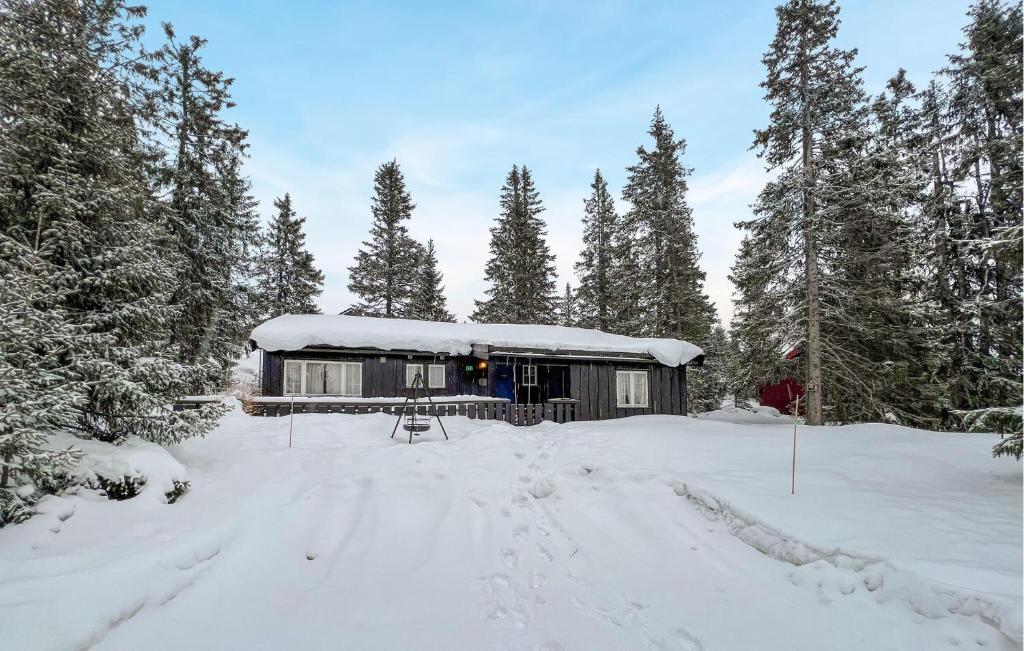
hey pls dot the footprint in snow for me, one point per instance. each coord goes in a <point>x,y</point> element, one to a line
<point>542,488</point>
<point>510,557</point>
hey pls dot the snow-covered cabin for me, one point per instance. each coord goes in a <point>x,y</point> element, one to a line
<point>602,375</point>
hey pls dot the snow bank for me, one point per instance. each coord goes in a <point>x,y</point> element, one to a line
<point>754,415</point>
<point>297,331</point>
<point>134,459</point>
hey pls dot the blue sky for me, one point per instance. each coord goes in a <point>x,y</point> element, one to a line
<point>458,92</point>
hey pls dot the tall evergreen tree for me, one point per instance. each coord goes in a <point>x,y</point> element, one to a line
<point>428,302</point>
<point>671,285</point>
<point>815,93</point>
<point>596,296</point>
<point>665,280</point>
<point>287,280</point>
<point>521,270</point>
<point>877,342</point>
<point>74,186</point>
<point>385,274</point>
<point>984,122</point>
<point>208,212</point>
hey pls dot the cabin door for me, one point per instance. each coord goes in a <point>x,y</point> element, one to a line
<point>504,382</point>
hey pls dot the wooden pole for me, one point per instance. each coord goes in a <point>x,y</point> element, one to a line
<point>792,480</point>
<point>291,421</point>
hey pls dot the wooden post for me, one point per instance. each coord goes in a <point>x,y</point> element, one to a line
<point>792,480</point>
<point>291,421</point>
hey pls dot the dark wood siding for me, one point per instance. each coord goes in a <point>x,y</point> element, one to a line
<point>380,380</point>
<point>591,382</point>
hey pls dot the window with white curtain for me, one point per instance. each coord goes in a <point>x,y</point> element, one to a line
<point>631,388</point>
<point>436,376</point>
<point>292,377</point>
<point>314,378</point>
<point>410,374</point>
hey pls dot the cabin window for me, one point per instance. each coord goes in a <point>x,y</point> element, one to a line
<point>311,378</point>
<point>436,373</point>
<point>292,377</point>
<point>410,374</point>
<point>529,375</point>
<point>631,387</point>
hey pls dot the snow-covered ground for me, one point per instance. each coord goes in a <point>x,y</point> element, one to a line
<point>648,532</point>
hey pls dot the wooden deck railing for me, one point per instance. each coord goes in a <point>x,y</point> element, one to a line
<point>488,409</point>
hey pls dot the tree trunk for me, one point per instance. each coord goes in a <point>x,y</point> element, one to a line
<point>813,352</point>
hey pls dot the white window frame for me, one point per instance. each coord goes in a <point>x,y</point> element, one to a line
<point>302,368</point>
<point>630,390</point>
<point>411,377</point>
<point>430,376</point>
<point>529,370</point>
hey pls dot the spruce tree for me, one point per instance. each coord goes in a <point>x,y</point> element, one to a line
<point>984,123</point>
<point>73,184</point>
<point>708,385</point>
<point>41,390</point>
<point>815,93</point>
<point>428,302</point>
<point>521,270</point>
<point>568,310</point>
<point>385,273</point>
<point>286,280</point>
<point>670,289</point>
<point>595,295</point>
<point>666,283</point>
<point>208,212</point>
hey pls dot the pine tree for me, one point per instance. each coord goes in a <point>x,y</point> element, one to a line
<point>428,302</point>
<point>877,342</point>
<point>208,213</point>
<point>596,296</point>
<point>73,167</point>
<point>286,280</point>
<point>521,270</point>
<point>568,312</point>
<point>40,387</point>
<point>671,286</point>
<point>984,122</point>
<point>626,279</point>
<point>815,93</point>
<point>384,276</point>
<point>707,385</point>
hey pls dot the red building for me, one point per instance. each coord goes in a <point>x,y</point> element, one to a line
<point>783,393</point>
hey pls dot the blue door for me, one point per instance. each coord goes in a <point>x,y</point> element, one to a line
<point>504,384</point>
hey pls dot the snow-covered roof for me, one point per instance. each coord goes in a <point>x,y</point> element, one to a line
<point>297,331</point>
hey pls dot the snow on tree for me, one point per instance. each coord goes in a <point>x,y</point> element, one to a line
<point>666,282</point>
<point>428,302</point>
<point>41,390</point>
<point>286,279</point>
<point>670,283</point>
<point>878,347</point>
<point>73,182</point>
<point>521,270</point>
<point>707,385</point>
<point>595,295</point>
<point>983,131</point>
<point>816,97</point>
<point>385,273</point>
<point>210,222</point>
